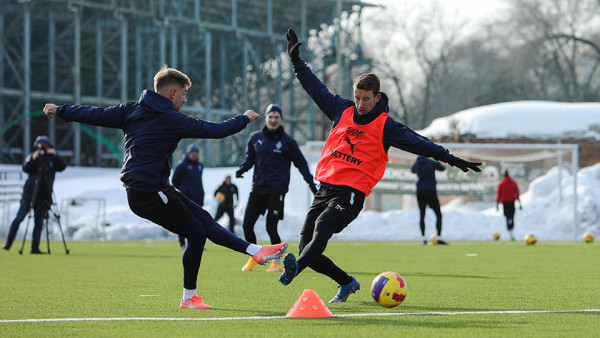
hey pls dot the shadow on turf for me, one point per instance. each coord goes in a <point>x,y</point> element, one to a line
<point>457,323</point>
<point>119,255</point>
<point>367,275</point>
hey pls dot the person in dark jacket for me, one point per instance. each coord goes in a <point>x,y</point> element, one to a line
<point>41,166</point>
<point>353,160</point>
<point>152,128</point>
<point>271,151</point>
<point>427,194</point>
<point>507,193</point>
<point>187,177</point>
<point>225,197</point>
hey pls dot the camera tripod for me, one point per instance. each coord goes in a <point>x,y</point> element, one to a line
<point>50,206</point>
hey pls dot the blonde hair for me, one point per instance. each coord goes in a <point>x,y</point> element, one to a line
<point>166,77</point>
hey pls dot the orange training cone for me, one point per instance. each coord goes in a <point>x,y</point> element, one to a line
<point>309,305</point>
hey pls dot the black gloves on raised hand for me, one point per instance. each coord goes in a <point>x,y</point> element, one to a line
<point>465,165</point>
<point>293,46</point>
<point>313,188</point>
<point>239,173</point>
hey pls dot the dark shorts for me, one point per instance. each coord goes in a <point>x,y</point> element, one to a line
<point>336,208</point>
<point>261,203</point>
<point>165,208</point>
<point>509,209</point>
<point>428,197</point>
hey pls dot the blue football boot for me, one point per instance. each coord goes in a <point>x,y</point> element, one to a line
<point>345,291</point>
<point>290,269</point>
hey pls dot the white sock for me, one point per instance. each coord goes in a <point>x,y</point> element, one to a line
<point>187,294</point>
<point>510,232</point>
<point>253,249</point>
<point>424,238</point>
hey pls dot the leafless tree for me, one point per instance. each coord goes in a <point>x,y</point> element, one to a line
<point>564,37</point>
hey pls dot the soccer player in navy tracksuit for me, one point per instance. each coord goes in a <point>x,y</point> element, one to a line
<point>229,190</point>
<point>425,169</point>
<point>271,151</point>
<point>187,178</point>
<point>353,160</point>
<point>153,127</point>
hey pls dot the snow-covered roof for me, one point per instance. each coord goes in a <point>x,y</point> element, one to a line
<point>532,119</point>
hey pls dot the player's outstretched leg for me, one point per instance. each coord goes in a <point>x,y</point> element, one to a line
<point>290,269</point>
<point>345,291</point>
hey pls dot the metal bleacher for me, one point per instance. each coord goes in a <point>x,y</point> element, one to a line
<point>11,188</point>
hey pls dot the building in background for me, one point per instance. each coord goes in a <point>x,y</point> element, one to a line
<point>103,53</point>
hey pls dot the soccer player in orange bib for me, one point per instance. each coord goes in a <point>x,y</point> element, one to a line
<point>351,163</point>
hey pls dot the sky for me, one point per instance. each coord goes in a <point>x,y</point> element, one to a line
<point>468,9</point>
<point>542,215</point>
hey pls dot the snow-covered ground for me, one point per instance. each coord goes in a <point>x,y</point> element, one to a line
<point>542,213</point>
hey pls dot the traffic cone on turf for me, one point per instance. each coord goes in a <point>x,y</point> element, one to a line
<point>309,305</point>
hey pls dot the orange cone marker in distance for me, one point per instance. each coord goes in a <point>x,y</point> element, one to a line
<point>309,305</point>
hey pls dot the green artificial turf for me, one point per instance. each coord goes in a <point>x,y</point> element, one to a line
<point>144,280</point>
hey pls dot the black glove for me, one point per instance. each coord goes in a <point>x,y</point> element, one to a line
<point>239,173</point>
<point>313,188</point>
<point>293,46</point>
<point>465,165</point>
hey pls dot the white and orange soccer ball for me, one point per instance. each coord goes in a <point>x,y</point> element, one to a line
<point>588,237</point>
<point>388,289</point>
<point>496,236</point>
<point>530,239</point>
<point>220,197</point>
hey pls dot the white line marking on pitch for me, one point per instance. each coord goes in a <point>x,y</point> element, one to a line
<point>282,317</point>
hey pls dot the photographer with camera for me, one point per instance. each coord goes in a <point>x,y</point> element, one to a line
<point>41,166</point>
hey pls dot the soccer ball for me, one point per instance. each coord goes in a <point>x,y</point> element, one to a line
<point>388,289</point>
<point>588,237</point>
<point>434,239</point>
<point>530,239</point>
<point>496,236</point>
<point>220,197</point>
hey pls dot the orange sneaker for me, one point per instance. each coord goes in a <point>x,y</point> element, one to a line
<point>249,265</point>
<point>274,266</point>
<point>194,303</point>
<point>270,252</point>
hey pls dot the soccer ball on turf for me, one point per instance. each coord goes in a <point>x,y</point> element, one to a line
<point>434,239</point>
<point>496,236</point>
<point>530,239</point>
<point>388,289</point>
<point>588,237</point>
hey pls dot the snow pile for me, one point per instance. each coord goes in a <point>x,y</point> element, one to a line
<point>547,210</point>
<point>533,119</point>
